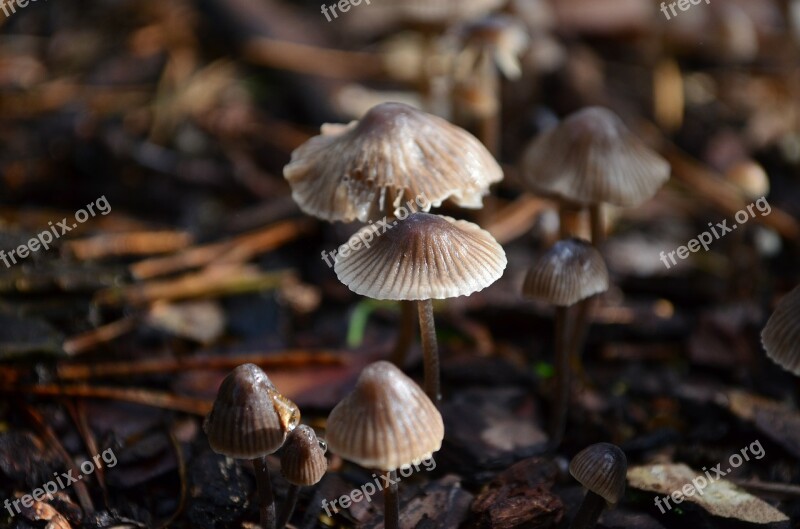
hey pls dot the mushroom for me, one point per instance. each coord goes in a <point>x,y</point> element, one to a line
<point>386,423</point>
<point>250,420</point>
<point>492,46</point>
<point>589,159</point>
<point>423,257</point>
<point>303,463</point>
<point>395,153</point>
<point>602,469</point>
<point>570,271</point>
<point>781,336</point>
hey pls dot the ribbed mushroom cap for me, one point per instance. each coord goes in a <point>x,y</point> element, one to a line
<point>395,153</point>
<point>602,469</point>
<point>303,458</point>
<point>386,423</point>
<point>250,418</point>
<point>591,157</point>
<point>571,270</point>
<point>424,256</point>
<point>781,336</point>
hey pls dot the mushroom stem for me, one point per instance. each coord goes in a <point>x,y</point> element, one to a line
<point>580,329</point>
<point>597,225</point>
<point>391,503</point>
<point>589,511</point>
<point>563,371</point>
<point>430,349</point>
<point>288,507</point>
<point>267,500</point>
<point>406,334</point>
<point>490,121</point>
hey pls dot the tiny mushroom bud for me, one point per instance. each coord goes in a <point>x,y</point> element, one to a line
<point>249,420</point>
<point>303,463</point>
<point>386,423</point>
<point>601,468</point>
<point>781,336</point>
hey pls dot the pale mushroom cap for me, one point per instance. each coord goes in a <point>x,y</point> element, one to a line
<point>424,256</point>
<point>394,154</point>
<point>568,272</point>
<point>751,179</point>
<point>386,423</point>
<point>602,469</point>
<point>781,336</point>
<point>502,35</point>
<point>250,418</point>
<point>303,458</point>
<point>591,158</point>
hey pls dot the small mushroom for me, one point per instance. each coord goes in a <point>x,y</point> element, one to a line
<point>303,463</point>
<point>781,336</point>
<point>569,272</point>
<point>423,257</point>
<point>602,469</point>
<point>394,154</point>
<point>250,419</point>
<point>386,423</point>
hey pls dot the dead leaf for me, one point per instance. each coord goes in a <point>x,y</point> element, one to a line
<point>720,497</point>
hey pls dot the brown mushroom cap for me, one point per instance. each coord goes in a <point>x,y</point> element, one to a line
<point>591,158</point>
<point>303,458</point>
<point>250,418</point>
<point>781,336</point>
<point>602,469</point>
<point>504,37</point>
<point>571,270</point>
<point>394,154</point>
<point>386,423</point>
<point>424,256</point>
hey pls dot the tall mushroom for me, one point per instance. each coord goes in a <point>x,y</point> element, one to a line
<point>386,423</point>
<point>602,469</point>
<point>394,154</point>
<point>250,420</point>
<point>781,336</point>
<point>421,258</point>
<point>570,271</point>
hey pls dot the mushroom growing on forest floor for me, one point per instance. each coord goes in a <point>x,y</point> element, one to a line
<point>303,464</point>
<point>421,258</point>
<point>781,335</point>
<point>569,272</point>
<point>250,420</point>
<point>601,468</point>
<point>386,423</point>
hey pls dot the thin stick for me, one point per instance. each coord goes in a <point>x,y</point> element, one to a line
<point>558,421</point>
<point>391,502</point>
<point>405,337</point>
<point>89,340</point>
<point>430,349</point>
<point>266,498</point>
<point>288,507</point>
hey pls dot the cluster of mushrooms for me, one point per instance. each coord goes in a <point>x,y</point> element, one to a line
<point>365,171</point>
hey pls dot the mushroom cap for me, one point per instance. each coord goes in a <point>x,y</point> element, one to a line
<point>781,336</point>
<point>602,469</point>
<point>303,460</point>
<point>395,153</point>
<point>250,418</point>
<point>571,270</point>
<point>386,423</point>
<point>504,36</point>
<point>591,157</point>
<point>424,256</point>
